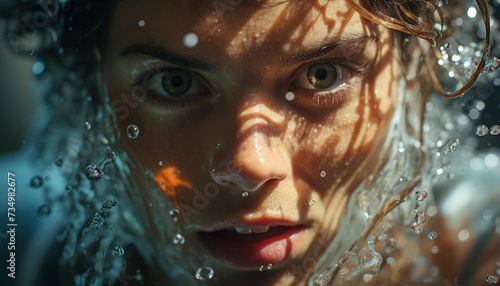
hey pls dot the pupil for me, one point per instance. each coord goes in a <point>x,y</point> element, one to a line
<point>321,74</point>
<point>177,81</point>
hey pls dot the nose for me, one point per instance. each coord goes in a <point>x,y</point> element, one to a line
<point>256,156</point>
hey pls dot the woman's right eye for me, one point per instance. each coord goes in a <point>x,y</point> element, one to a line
<point>174,83</point>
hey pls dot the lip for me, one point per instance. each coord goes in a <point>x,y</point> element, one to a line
<point>253,250</point>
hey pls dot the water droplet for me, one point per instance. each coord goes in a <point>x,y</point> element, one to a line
<point>69,188</point>
<point>117,251</point>
<point>93,173</point>
<point>109,204</point>
<point>434,249</point>
<point>179,239</point>
<point>347,263</point>
<point>88,126</point>
<point>416,228</point>
<point>44,210</point>
<point>162,183</point>
<point>450,146</point>
<point>481,130</point>
<point>382,236</point>
<point>421,195</point>
<point>141,23</point>
<point>322,280</point>
<point>58,161</point>
<point>244,194</point>
<point>322,174</point>
<point>38,68</point>
<point>491,279</point>
<point>132,131</point>
<point>447,46</point>
<point>36,182</point>
<point>190,40</point>
<point>269,266</point>
<point>174,214</point>
<point>290,96</point>
<point>432,235</point>
<point>420,217</point>
<point>204,273</point>
<point>495,130</point>
<point>371,261</point>
<point>491,64</point>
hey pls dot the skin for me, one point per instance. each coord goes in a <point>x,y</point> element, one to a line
<point>240,133</point>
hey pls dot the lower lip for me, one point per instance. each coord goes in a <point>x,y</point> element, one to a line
<point>274,250</point>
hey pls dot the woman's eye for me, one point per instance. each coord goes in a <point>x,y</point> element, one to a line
<point>322,76</point>
<point>175,82</point>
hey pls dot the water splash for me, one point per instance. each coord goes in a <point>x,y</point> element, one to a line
<point>117,251</point>
<point>94,172</point>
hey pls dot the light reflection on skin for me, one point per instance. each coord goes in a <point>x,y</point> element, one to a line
<point>278,148</point>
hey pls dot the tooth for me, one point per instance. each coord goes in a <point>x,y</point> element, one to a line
<point>260,229</point>
<point>243,230</point>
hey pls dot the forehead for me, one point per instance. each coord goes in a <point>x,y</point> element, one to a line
<point>237,26</point>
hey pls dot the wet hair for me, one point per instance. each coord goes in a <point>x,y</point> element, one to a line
<point>424,19</point>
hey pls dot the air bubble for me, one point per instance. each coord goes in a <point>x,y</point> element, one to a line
<point>141,23</point>
<point>174,215</point>
<point>190,40</point>
<point>132,131</point>
<point>416,228</point>
<point>261,268</point>
<point>481,130</point>
<point>495,130</point>
<point>204,273</point>
<point>38,68</point>
<point>322,174</point>
<point>421,195</point>
<point>179,239</point>
<point>269,266</point>
<point>58,161</point>
<point>88,126</point>
<point>44,210</point>
<point>160,163</point>
<point>312,202</point>
<point>432,235</point>
<point>117,251</point>
<point>36,182</point>
<point>244,194</point>
<point>93,173</point>
<point>69,188</point>
<point>290,96</point>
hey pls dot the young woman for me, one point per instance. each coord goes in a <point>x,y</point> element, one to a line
<point>247,142</point>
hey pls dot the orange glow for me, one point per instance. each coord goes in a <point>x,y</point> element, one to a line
<point>171,179</point>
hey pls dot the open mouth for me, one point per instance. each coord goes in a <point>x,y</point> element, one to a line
<point>253,246</point>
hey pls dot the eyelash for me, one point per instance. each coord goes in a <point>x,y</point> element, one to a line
<point>331,97</point>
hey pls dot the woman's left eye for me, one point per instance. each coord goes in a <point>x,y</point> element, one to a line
<point>322,76</point>
<point>175,83</point>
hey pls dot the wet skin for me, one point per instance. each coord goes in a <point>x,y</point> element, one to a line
<point>233,129</point>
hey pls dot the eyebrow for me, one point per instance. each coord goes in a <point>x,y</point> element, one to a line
<point>160,52</point>
<point>327,47</point>
<point>168,55</point>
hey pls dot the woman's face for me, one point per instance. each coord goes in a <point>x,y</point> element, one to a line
<point>257,119</point>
